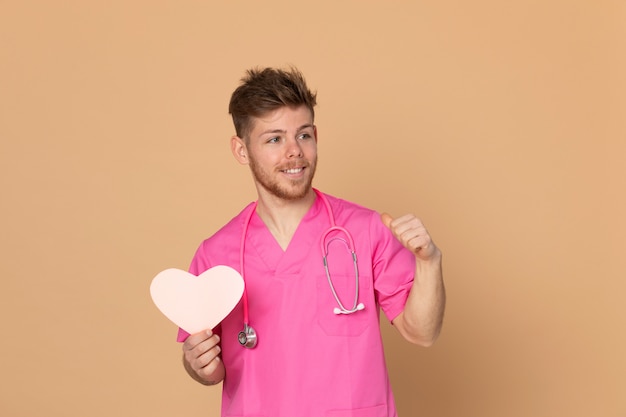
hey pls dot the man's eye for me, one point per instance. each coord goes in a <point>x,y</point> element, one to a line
<point>273,140</point>
<point>304,136</point>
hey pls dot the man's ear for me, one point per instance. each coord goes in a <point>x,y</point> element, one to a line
<point>239,150</point>
<point>315,132</point>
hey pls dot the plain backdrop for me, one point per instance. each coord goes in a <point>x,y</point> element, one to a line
<point>500,124</point>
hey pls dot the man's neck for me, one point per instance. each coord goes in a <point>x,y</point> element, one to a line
<point>282,217</point>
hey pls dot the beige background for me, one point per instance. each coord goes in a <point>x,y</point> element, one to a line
<point>501,124</point>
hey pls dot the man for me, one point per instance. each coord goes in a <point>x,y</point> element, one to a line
<point>319,348</point>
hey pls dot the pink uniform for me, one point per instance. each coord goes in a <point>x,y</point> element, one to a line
<point>308,360</point>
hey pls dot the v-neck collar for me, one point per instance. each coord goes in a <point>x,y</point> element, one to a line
<point>303,241</point>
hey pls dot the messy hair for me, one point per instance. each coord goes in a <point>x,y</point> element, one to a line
<point>264,90</point>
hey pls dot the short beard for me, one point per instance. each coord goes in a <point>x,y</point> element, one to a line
<point>299,191</point>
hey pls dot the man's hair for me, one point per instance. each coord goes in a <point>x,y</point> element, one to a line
<point>264,90</point>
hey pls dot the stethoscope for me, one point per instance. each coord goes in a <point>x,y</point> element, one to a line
<point>248,337</point>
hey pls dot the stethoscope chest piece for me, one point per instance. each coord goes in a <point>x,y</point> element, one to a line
<point>247,337</point>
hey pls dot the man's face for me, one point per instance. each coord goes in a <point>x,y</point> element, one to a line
<point>282,152</point>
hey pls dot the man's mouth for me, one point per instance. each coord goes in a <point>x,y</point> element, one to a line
<point>293,170</point>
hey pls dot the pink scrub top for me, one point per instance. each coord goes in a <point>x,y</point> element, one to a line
<point>308,360</point>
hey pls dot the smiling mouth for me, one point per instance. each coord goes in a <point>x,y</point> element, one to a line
<point>293,170</point>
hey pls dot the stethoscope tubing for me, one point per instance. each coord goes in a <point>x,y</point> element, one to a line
<point>350,247</point>
<point>241,264</point>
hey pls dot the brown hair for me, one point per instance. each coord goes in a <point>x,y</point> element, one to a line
<point>265,90</point>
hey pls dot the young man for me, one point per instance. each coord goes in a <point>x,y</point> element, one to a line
<point>314,306</point>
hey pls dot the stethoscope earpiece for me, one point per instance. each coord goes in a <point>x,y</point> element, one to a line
<point>359,307</point>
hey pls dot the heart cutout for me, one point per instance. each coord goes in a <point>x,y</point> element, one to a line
<point>196,303</point>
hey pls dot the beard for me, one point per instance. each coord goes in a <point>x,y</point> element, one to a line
<point>285,188</point>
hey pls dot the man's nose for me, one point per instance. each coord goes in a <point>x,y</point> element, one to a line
<point>294,149</point>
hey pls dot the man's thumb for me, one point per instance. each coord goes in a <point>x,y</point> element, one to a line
<point>386,218</point>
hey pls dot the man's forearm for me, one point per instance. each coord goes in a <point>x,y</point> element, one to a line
<point>422,318</point>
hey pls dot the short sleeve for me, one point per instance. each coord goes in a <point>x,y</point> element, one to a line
<point>393,268</point>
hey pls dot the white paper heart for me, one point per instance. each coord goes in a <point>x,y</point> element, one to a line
<point>196,303</point>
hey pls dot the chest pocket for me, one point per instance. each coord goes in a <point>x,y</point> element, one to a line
<point>343,324</point>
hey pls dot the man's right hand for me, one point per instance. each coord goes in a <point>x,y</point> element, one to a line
<point>201,357</point>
